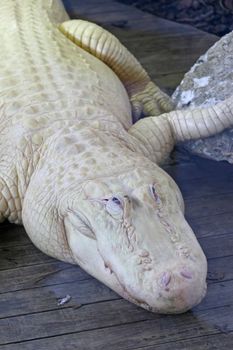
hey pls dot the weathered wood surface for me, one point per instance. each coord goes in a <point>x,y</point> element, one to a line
<point>96,318</point>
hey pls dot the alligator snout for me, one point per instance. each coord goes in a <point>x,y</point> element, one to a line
<point>180,290</point>
<point>174,290</point>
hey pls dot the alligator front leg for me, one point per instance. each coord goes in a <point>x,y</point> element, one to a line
<point>10,204</point>
<point>155,136</point>
<point>3,201</point>
<point>159,134</point>
<point>146,98</point>
<point>4,196</point>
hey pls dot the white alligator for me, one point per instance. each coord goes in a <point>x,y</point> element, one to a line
<point>83,180</point>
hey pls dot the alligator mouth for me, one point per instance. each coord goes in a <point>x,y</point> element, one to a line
<point>173,310</point>
<point>138,302</point>
<point>166,305</point>
<point>125,292</point>
<point>78,222</point>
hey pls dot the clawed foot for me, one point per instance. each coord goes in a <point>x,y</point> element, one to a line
<point>150,101</point>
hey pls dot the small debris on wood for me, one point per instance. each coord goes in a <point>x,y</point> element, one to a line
<point>215,276</point>
<point>120,24</point>
<point>64,300</point>
<point>223,328</point>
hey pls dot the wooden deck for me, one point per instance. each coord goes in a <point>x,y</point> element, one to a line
<point>31,283</point>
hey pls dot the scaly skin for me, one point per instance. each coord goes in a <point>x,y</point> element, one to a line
<point>81,179</point>
<point>145,97</point>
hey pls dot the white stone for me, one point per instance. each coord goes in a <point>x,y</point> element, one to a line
<point>208,82</point>
<point>201,82</point>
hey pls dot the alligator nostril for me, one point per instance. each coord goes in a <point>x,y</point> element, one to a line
<point>186,273</point>
<point>165,279</point>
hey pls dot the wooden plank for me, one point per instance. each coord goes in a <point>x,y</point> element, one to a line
<point>21,256</point>
<point>12,235</point>
<point>211,342</point>
<point>208,226</point>
<point>40,299</point>
<point>166,56</point>
<point>218,295</point>
<point>212,167</point>
<point>207,186</point>
<point>202,183</point>
<point>217,246</point>
<point>194,169</point>
<point>209,206</point>
<point>54,272</point>
<point>155,330</point>
<point>112,13</point>
<point>184,171</point>
<point>68,320</point>
<point>220,269</point>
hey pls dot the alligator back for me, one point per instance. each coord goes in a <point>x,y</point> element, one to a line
<point>44,77</point>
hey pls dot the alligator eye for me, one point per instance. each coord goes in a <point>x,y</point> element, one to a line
<point>114,206</point>
<point>154,193</point>
<point>116,200</point>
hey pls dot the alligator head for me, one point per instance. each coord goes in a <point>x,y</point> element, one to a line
<point>129,232</point>
<point>119,216</point>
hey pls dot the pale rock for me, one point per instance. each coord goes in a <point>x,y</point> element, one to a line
<point>208,82</point>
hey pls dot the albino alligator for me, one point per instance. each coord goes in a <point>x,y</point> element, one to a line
<point>74,171</point>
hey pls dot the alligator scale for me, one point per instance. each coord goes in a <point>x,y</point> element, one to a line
<point>74,170</point>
